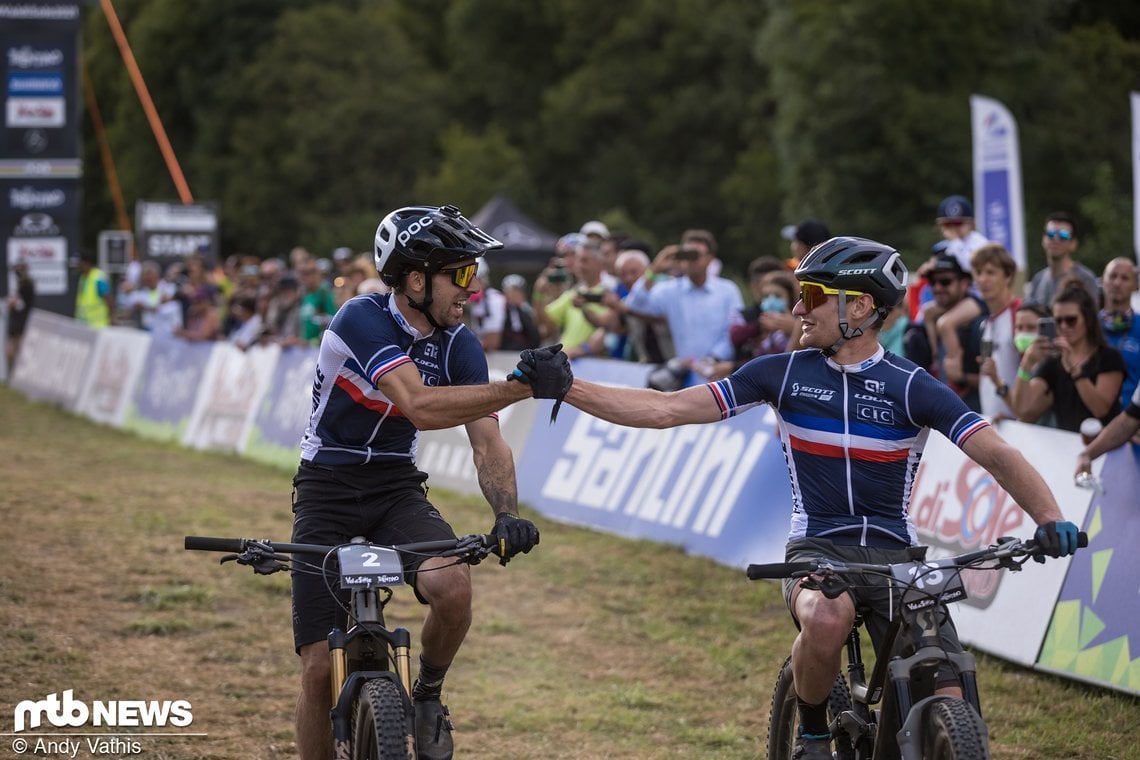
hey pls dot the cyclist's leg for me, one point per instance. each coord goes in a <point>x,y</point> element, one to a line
<point>314,731</point>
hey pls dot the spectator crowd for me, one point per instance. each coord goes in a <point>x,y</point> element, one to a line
<point>1060,350</point>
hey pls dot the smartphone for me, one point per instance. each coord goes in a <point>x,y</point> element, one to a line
<point>592,297</point>
<point>1047,328</point>
<point>987,348</point>
<point>688,254</point>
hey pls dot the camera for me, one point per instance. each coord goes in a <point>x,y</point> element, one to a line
<point>558,274</point>
<point>688,254</point>
<point>592,297</point>
<point>1047,328</point>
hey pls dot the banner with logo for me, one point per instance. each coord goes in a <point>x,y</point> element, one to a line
<point>165,394</point>
<point>40,220</point>
<point>169,232</point>
<point>957,506</point>
<point>116,365</point>
<point>998,208</point>
<point>232,386</point>
<point>1097,616</point>
<point>283,414</point>
<point>54,359</point>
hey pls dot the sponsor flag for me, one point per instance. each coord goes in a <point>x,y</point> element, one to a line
<point>997,176</point>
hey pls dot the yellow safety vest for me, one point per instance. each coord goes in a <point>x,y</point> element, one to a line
<point>90,307</point>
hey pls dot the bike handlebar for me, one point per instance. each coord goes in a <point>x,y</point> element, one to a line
<point>1004,549</point>
<point>238,545</point>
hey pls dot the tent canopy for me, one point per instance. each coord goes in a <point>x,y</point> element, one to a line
<point>527,247</point>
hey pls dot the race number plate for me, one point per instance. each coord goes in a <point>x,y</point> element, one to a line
<point>925,583</point>
<point>368,566</point>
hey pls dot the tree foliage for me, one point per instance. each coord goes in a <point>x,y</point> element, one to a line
<point>309,119</point>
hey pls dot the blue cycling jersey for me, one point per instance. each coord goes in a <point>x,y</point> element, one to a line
<point>852,437</point>
<point>352,421</point>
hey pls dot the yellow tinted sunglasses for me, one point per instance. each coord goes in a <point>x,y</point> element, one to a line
<point>813,294</point>
<point>462,276</point>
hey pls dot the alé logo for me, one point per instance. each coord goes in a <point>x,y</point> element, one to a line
<point>69,712</point>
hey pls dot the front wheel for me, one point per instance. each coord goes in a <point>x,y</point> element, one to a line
<point>380,723</point>
<point>953,730</point>
<point>783,716</point>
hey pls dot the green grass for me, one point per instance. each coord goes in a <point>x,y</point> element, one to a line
<point>591,646</point>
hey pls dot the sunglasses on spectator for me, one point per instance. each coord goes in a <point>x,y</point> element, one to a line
<point>1062,234</point>
<point>1068,320</point>
<point>813,294</point>
<point>462,276</point>
<point>942,282</point>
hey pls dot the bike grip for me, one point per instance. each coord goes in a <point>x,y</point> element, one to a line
<point>779,570</point>
<point>212,544</point>
<point>1082,539</point>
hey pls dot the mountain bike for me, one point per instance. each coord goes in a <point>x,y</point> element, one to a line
<point>913,722</point>
<point>372,715</point>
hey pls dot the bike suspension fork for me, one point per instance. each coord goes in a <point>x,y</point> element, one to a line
<point>338,659</point>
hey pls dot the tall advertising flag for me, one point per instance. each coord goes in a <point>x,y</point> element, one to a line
<point>1136,174</point>
<point>997,176</point>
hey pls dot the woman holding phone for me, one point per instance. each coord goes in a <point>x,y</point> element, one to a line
<point>1070,368</point>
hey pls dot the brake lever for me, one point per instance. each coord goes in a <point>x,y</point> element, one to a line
<point>263,563</point>
<point>832,586</point>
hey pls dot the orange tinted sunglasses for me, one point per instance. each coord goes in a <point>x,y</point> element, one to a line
<point>813,294</point>
<point>462,276</point>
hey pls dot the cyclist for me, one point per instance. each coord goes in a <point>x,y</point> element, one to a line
<point>853,419</point>
<point>389,366</point>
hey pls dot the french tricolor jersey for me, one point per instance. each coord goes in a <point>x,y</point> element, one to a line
<point>852,436</point>
<point>352,421</point>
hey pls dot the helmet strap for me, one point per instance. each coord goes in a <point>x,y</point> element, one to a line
<point>424,306</point>
<point>846,331</point>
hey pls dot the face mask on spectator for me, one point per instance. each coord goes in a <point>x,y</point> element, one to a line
<point>1022,341</point>
<point>773,303</point>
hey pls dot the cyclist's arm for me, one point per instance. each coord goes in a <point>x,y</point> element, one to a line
<point>1014,473</point>
<point>1117,433</point>
<point>644,407</point>
<point>438,407</point>
<point>494,464</point>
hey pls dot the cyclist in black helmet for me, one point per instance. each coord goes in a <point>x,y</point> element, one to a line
<point>853,420</point>
<point>389,366</point>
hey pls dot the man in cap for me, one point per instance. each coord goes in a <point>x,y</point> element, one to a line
<point>803,237</point>
<point>955,218</point>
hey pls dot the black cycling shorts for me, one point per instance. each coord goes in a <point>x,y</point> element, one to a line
<point>870,593</point>
<point>385,503</point>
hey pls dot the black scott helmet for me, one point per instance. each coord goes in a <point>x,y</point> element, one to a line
<point>426,238</point>
<point>851,263</point>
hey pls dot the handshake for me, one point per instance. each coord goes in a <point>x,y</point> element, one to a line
<point>547,371</point>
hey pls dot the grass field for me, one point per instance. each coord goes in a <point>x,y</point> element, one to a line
<point>590,647</point>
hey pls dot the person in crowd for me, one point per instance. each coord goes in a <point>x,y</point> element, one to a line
<point>487,310</point>
<point>1025,321</point>
<point>318,303</point>
<point>94,296</point>
<point>202,319</point>
<point>20,302</point>
<point>246,328</point>
<point>802,238</point>
<point>1119,431</point>
<point>140,301</point>
<point>698,307</point>
<point>1076,374</point>
<point>520,326</point>
<point>595,231</point>
<point>1060,241</point>
<point>949,355</point>
<point>955,219</point>
<point>1121,328</point>
<point>282,321</point>
<point>895,325</point>
<point>766,327</point>
<point>998,359</point>
<point>851,491</point>
<point>576,315</point>
<point>641,338</point>
<point>407,350</point>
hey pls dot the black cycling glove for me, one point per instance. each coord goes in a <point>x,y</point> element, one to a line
<point>547,371</point>
<point>513,535</point>
<point>1057,539</point>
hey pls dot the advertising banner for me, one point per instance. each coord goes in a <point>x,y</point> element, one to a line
<point>283,413</point>
<point>116,365</point>
<point>164,396</point>
<point>957,506</point>
<point>998,208</point>
<point>54,359</point>
<point>169,232</point>
<point>1097,616</point>
<point>232,386</point>
<point>39,219</point>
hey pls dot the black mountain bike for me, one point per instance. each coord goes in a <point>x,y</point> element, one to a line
<point>372,716</point>
<point>913,722</point>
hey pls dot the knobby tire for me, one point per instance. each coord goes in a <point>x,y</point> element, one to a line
<point>380,721</point>
<point>953,730</point>
<point>783,715</point>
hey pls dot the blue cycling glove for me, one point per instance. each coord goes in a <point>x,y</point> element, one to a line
<point>1057,539</point>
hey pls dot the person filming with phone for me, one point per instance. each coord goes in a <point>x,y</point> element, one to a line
<point>1070,368</point>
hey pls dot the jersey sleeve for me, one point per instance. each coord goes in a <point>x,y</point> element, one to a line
<point>371,338</point>
<point>466,360</point>
<point>757,382</point>
<point>932,404</point>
